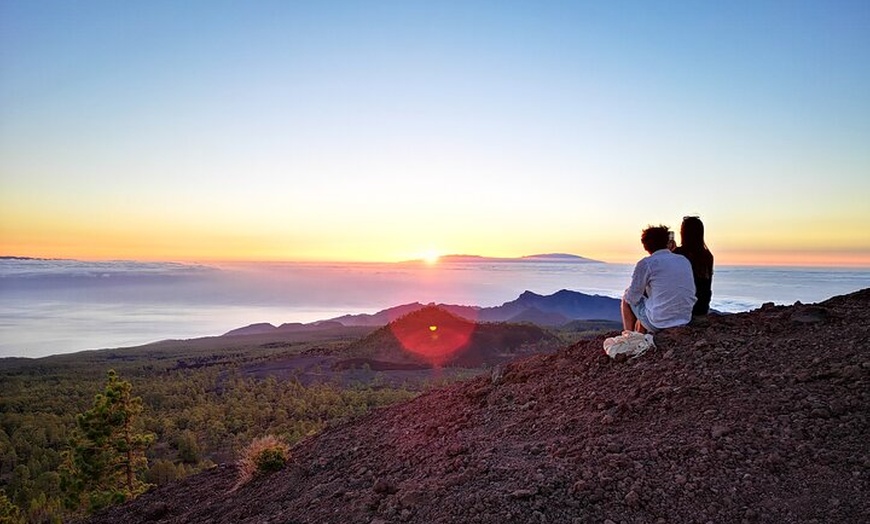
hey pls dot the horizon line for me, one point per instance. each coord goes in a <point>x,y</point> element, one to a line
<point>441,259</point>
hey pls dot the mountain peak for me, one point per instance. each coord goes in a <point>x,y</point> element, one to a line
<point>559,257</point>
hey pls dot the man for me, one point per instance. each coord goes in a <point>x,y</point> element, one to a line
<point>662,289</point>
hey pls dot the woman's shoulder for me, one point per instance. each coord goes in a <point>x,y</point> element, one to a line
<point>684,251</point>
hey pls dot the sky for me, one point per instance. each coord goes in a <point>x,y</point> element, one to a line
<point>392,130</point>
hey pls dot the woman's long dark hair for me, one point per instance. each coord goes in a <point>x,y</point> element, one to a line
<point>694,248</point>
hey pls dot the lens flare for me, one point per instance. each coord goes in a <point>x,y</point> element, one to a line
<point>433,333</point>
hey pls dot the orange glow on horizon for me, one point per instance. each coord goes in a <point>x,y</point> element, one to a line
<point>113,234</point>
<point>96,253</point>
<point>779,258</point>
<point>796,258</point>
<point>181,244</point>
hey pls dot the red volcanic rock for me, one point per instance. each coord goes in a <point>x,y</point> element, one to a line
<point>754,417</point>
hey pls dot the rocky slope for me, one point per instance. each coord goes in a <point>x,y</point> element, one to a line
<point>753,417</point>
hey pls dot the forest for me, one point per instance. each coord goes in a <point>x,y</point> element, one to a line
<point>202,402</point>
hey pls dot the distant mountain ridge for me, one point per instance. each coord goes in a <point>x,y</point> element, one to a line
<point>266,328</point>
<point>544,257</point>
<point>547,310</point>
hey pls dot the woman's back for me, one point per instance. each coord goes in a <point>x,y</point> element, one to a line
<point>693,247</point>
<point>702,270</point>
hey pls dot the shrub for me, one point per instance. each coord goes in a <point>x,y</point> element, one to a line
<point>9,512</point>
<point>262,455</point>
<point>271,460</point>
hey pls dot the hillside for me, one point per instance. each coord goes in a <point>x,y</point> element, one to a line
<point>434,336</point>
<point>424,345</point>
<point>752,417</point>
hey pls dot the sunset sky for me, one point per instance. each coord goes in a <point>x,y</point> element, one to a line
<point>389,130</point>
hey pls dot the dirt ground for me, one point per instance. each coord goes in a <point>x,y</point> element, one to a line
<point>753,417</point>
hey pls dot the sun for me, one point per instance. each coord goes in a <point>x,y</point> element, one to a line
<point>431,257</point>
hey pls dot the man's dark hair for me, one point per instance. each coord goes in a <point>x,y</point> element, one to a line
<point>654,238</point>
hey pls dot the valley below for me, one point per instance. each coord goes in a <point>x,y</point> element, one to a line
<point>205,399</point>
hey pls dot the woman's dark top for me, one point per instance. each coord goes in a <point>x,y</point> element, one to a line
<point>702,268</point>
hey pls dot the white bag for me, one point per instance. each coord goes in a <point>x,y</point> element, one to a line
<point>630,343</point>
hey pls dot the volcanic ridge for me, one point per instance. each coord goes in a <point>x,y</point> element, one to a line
<point>752,417</point>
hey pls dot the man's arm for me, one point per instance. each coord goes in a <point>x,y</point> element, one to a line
<point>639,280</point>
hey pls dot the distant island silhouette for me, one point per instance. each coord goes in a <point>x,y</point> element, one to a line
<point>545,257</point>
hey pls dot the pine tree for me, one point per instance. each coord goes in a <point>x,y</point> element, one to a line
<point>107,454</point>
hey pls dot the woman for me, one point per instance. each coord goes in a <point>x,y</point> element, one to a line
<point>692,246</point>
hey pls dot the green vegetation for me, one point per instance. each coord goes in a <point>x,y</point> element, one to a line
<point>9,512</point>
<point>203,402</point>
<point>198,400</point>
<point>106,458</point>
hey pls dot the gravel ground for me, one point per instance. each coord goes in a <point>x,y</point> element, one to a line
<point>753,417</point>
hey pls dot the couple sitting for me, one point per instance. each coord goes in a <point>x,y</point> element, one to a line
<point>672,283</point>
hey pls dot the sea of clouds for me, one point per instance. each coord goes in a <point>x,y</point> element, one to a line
<point>61,306</point>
